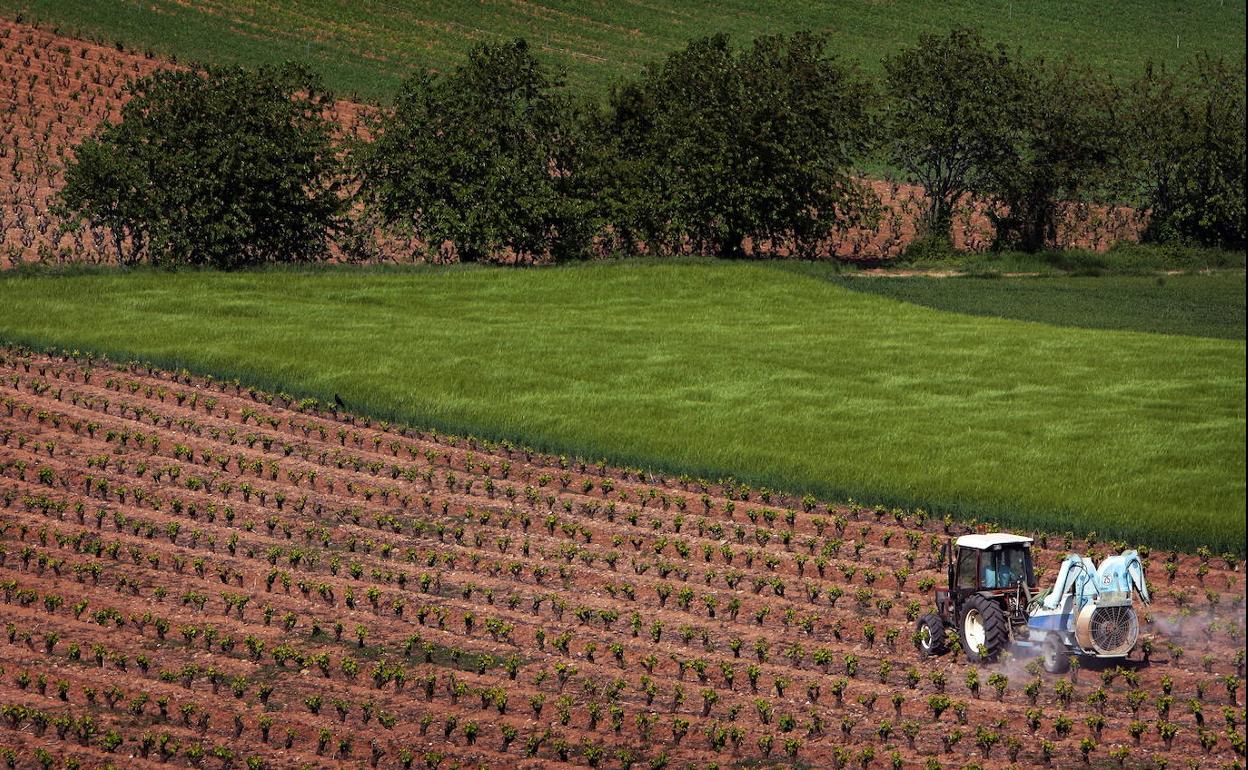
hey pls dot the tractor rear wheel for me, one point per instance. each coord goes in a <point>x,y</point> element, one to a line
<point>1053,655</point>
<point>983,626</point>
<point>929,636</point>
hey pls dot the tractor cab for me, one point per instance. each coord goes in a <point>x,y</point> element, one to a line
<point>995,562</point>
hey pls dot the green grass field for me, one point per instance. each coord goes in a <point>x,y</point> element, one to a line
<point>785,380</point>
<point>1122,259</point>
<point>368,47</point>
<point>1195,305</point>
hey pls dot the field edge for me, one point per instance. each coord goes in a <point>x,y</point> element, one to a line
<point>967,512</point>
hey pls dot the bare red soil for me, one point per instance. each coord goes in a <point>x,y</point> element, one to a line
<point>196,565</point>
<point>55,91</point>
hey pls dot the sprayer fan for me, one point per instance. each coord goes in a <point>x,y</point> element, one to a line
<point>1114,629</point>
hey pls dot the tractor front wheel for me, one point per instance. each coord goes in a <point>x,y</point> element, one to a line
<point>929,635</point>
<point>1053,655</point>
<point>984,629</point>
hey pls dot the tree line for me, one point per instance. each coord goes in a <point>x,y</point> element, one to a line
<point>712,147</point>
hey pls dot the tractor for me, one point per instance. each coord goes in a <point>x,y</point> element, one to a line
<point>992,602</point>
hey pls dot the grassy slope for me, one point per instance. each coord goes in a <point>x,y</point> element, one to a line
<point>718,368</point>
<point>1197,305</point>
<point>366,47</point>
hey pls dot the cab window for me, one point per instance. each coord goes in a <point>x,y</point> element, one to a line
<point>1003,567</point>
<point>966,567</point>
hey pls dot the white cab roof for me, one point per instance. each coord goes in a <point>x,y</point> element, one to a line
<point>983,542</point>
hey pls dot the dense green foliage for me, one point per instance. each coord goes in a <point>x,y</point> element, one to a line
<point>1063,141</point>
<point>716,145</point>
<point>715,368</point>
<point>1195,305</point>
<point>951,104</point>
<point>969,121</point>
<point>713,147</point>
<point>225,167</point>
<point>718,149</point>
<point>483,158</point>
<point>1187,131</point>
<point>370,48</point>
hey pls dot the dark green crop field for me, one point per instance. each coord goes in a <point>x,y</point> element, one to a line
<point>1196,305</point>
<point>367,47</point>
<point>712,368</point>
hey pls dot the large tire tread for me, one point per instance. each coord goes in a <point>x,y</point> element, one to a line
<point>996,627</point>
<point>1054,656</point>
<point>936,630</point>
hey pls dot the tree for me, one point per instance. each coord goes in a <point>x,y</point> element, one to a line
<point>713,146</point>
<point>220,166</point>
<point>484,158</point>
<point>1063,139</point>
<point>950,107</point>
<point>1187,132</point>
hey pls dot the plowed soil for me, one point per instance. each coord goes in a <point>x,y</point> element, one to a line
<point>197,572</point>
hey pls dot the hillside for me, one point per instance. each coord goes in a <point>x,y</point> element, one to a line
<point>366,48</point>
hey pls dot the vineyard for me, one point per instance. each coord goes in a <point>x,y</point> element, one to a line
<point>55,91</point>
<point>196,573</point>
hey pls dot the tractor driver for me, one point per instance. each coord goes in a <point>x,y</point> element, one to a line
<point>997,571</point>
